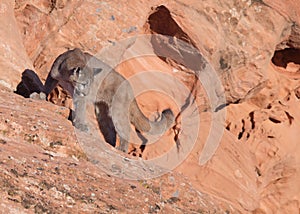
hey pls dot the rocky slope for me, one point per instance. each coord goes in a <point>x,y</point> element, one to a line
<point>249,47</point>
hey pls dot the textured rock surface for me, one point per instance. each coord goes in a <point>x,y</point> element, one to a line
<point>43,170</point>
<point>255,168</point>
<point>267,124</point>
<point>237,37</point>
<point>14,59</point>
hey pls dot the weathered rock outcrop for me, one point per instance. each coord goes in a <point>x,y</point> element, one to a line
<point>238,38</point>
<point>14,59</point>
<point>252,46</point>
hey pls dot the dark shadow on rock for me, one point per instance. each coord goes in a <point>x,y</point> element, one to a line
<point>171,43</point>
<point>105,123</point>
<point>29,84</point>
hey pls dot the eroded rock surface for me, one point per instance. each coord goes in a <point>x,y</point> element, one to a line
<point>43,170</point>
<point>251,45</point>
<point>14,59</point>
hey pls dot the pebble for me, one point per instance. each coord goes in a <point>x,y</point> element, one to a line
<point>112,18</point>
<point>66,187</point>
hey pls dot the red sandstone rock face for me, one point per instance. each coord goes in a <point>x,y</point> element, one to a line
<point>256,166</point>
<point>14,59</point>
<point>43,170</point>
<point>237,38</point>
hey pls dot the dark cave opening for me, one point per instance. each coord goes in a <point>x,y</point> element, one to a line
<point>282,57</point>
<point>288,50</point>
<point>171,43</point>
<point>161,22</point>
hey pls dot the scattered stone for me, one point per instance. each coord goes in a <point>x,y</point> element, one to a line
<point>3,141</point>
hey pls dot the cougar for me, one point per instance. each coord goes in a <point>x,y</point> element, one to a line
<point>115,105</point>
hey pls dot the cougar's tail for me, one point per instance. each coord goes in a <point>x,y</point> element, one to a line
<point>143,124</point>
